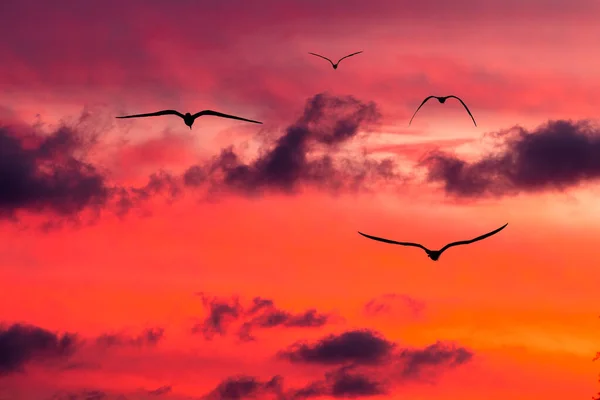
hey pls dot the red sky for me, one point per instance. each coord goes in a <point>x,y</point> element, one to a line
<point>139,259</point>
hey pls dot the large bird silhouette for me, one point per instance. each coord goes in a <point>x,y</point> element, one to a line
<point>336,64</point>
<point>435,254</point>
<point>442,100</point>
<point>188,118</point>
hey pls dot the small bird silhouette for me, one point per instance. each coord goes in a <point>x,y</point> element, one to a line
<point>435,254</point>
<point>336,64</point>
<point>442,100</point>
<point>190,118</point>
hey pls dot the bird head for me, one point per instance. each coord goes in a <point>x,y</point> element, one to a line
<point>335,66</point>
<point>434,255</point>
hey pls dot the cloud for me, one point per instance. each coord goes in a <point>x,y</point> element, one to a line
<point>85,394</point>
<point>386,303</point>
<point>375,355</point>
<point>555,156</point>
<point>21,344</point>
<point>52,173</point>
<point>342,383</point>
<point>148,337</point>
<point>415,361</point>
<point>220,314</point>
<point>260,314</point>
<point>160,391</point>
<point>246,387</point>
<point>358,347</point>
<point>308,153</point>
<point>266,315</point>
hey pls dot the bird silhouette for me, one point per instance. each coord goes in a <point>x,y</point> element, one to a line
<point>336,64</point>
<point>188,118</point>
<point>442,100</point>
<point>435,254</point>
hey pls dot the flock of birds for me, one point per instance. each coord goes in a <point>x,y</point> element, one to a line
<point>189,119</point>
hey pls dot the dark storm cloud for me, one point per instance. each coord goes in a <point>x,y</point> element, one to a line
<point>358,347</point>
<point>245,387</point>
<point>554,156</point>
<point>261,314</point>
<point>307,153</point>
<point>148,337</point>
<point>21,344</point>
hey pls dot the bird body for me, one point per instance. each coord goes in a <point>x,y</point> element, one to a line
<point>335,65</point>
<point>188,118</point>
<point>442,100</point>
<point>435,254</point>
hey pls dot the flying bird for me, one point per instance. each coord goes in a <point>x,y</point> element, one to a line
<point>442,100</point>
<point>435,254</point>
<point>188,118</point>
<point>336,64</point>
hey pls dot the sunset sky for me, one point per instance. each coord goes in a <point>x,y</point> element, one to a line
<point>140,259</point>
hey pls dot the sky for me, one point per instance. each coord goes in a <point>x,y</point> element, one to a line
<point>140,259</point>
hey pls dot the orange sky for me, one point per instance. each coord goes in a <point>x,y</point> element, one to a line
<point>104,232</point>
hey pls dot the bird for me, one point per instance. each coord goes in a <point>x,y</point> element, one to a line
<point>188,118</point>
<point>435,254</point>
<point>442,100</point>
<point>336,64</point>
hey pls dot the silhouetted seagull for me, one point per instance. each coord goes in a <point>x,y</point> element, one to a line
<point>442,100</point>
<point>435,254</point>
<point>336,64</point>
<point>189,118</point>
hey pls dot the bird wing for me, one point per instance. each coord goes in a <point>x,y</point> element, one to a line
<point>424,101</point>
<point>155,114</point>
<point>466,108</point>
<point>314,54</point>
<point>218,114</point>
<point>473,240</point>
<point>350,55</point>
<point>394,242</point>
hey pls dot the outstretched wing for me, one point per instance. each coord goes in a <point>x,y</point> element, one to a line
<point>394,242</point>
<point>465,106</point>
<point>218,114</point>
<point>325,58</point>
<point>424,101</point>
<point>155,114</point>
<point>350,55</point>
<point>473,240</point>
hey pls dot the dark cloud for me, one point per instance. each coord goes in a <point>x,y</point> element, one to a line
<point>261,314</point>
<point>386,303</point>
<point>415,361</point>
<point>160,391</point>
<point>51,173</point>
<point>246,387</point>
<point>371,362</point>
<point>554,156</point>
<point>358,347</point>
<point>342,383</point>
<point>149,337</point>
<point>266,315</point>
<point>22,344</point>
<point>309,152</point>
<point>82,395</point>
<point>220,314</point>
